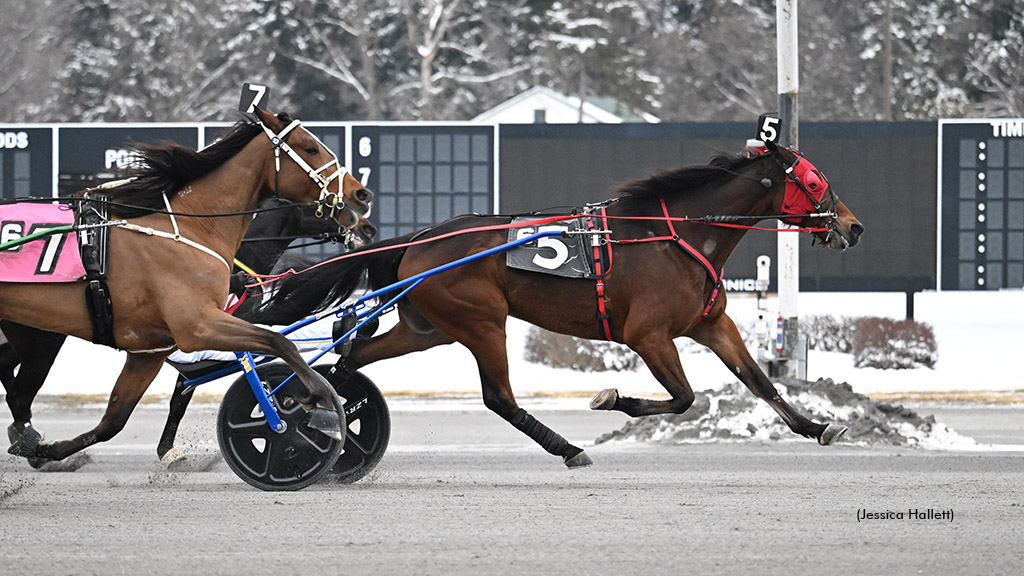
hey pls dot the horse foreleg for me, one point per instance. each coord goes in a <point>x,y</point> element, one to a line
<point>722,337</point>
<point>221,331</point>
<point>138,372</point>
<point>180,398</point>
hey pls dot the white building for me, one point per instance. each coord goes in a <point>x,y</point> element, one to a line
<point>540,105</point>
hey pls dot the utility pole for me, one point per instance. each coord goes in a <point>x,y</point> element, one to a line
<point>792,362</point>
<point>887,64</point>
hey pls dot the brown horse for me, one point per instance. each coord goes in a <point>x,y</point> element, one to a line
<point>168,274</point>
<point>33,351</point>
<point>656,288</point>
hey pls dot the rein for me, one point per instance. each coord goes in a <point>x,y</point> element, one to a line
<point>79,200</point>
<point>725,221</point>
<point>270,279</point>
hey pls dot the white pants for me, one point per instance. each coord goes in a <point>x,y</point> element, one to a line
<point>309,338</point>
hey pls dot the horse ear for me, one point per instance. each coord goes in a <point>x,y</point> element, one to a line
<point>268,119</point>
<point>778,152</point>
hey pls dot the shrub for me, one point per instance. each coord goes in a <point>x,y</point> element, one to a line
<point>829,333</point>
<point>894,344</point>
<point>561,351</point>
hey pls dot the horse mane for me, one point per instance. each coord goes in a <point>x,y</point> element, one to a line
<point>720,167</point>
<point>166,167</point>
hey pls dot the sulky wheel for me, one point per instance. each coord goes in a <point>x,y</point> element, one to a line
<point>369,425</point>
<point>266,459</point>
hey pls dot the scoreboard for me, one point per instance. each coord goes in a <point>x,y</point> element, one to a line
<point>422,174</point>
<point>26,159</point>
<point>89,155</point>
<point>981,204</point>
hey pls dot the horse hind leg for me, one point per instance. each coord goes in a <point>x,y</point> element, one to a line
<point>138,372</point>
<point>35,350</point>
<point>492,360</point>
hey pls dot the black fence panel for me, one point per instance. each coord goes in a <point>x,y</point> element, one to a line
<point>884,172</point>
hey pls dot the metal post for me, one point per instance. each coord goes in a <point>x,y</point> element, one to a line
<point>789,252</point>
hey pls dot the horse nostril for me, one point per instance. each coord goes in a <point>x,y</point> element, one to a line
<point>856,229</point>
<point>364,195</point>
<point>369,230</point>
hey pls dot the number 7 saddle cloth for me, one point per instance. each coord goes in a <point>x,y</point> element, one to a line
<point>50,258</point>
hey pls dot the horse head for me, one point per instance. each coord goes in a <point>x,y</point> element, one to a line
<point>810,201</point>
<point>311,172</point>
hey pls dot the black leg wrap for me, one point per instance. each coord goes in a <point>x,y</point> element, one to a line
<point>541,434</point>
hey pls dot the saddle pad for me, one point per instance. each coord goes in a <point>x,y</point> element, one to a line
<point>567,256</point>
<point>53,258</point>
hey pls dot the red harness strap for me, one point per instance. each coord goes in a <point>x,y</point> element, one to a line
<point>716,276</point>
<point>602,264</point>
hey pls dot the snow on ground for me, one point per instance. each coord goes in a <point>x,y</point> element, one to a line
<point>977,333</point>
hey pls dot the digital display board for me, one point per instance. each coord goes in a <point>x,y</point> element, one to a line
<point>981,204</point>
<point>424,174</point>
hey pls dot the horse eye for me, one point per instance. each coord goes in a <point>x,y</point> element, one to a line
<point>312,150</point>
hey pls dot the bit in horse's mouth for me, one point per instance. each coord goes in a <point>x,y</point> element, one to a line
<point>836,240</point>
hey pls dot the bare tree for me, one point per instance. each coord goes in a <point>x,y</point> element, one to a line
<point>29,55</point>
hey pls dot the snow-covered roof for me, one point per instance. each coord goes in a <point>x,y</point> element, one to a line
<point>557,108</point>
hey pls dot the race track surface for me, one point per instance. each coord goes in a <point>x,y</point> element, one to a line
<point>460,492</point>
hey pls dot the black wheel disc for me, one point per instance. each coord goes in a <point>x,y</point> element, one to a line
<point>369,425</point>
<point>268,460</point>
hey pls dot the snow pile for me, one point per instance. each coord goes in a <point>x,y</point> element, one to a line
<point>732,413</point>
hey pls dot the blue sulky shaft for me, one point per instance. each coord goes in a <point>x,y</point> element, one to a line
<point>403,286</point>
<point>423,276</point>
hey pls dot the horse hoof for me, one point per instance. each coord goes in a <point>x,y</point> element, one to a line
<point>37,463</point>
<point>174,459</point>
<point>579,461</point>
<point>832,433</point>
<point>326,421</point>
<point>25,444</point>
<point>605,399</point>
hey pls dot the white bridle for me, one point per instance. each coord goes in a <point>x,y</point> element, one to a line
<point>333,200</point>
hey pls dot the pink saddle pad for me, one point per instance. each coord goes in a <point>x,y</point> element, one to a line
<point>52,258</point>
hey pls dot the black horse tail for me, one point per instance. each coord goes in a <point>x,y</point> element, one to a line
<point>316,289</point>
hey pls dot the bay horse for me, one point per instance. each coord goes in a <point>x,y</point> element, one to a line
<point>274,227</point>
<point>259,257</point>
<point>662,283</point>
<point>168,271</point>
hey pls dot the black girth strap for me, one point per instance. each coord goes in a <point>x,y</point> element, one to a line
<point>92,243</point>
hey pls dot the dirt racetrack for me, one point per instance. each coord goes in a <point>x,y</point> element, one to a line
<point>460,492</point>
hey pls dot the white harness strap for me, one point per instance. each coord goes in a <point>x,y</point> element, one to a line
<point>278,140</point>
<point>177,237</point>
